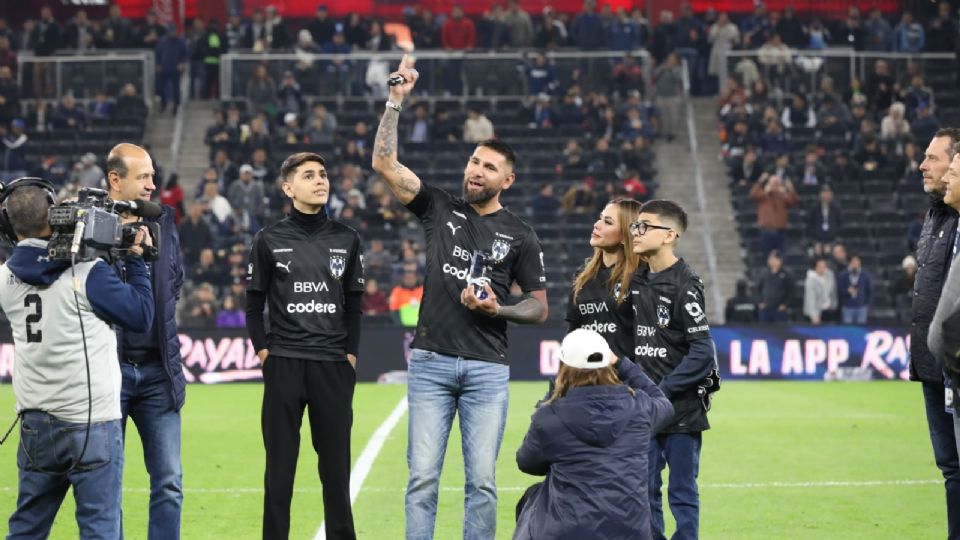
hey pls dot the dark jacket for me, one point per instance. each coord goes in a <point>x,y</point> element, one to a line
<point>864,287</point>
<point>933,249</point>
<point>824,230</point>
<point>775,289</point>
<point>167,280</point>
<point>13,153</point>
<point>45,38</point>
<point>170,52</point>
<point>592,447</point>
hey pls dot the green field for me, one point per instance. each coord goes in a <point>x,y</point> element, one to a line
<point>783,461</point>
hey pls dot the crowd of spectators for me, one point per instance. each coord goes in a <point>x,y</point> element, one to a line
<point>880,117</point>
<point>789,154</point>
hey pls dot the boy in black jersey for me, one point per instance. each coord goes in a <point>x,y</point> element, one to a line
<point>308,269</point>
<point>674,347</point>
<point>458,362</point>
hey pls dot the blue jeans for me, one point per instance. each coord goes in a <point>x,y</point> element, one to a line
<point>146,398</point>
<point>771,239</point>
<point>772,314</point>
<point>48,448</point>
<point>168,87</point>
<point>681,451</point>
<point>854,315</point>
<point>439,386</point>
<point>944,439</point>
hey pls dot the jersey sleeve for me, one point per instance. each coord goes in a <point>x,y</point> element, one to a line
<point>427,201</point>
<point>258,267</point>
<point>693,316</point>
<point>353,281</point>
<point>529,272</point>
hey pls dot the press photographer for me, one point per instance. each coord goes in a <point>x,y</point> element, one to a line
<point>67,389</point>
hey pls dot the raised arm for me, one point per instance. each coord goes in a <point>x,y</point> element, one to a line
<point>402,181</point>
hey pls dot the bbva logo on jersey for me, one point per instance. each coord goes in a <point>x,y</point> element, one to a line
<point>337,266</point>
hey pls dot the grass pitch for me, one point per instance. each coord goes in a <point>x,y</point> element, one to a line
<point>783,461</point>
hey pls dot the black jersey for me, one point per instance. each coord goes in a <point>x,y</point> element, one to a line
<point>454,230</point>
<point>305,276</point>
<point>596,309</point>
<point>668,316</point>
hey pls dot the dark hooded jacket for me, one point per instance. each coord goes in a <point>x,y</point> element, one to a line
<point>592,447</point>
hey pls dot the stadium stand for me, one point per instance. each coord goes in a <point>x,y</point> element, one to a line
<point>865,147</point>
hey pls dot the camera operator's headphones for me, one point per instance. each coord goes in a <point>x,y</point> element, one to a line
<point>6,228</point>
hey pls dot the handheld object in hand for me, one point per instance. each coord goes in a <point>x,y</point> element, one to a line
<point>480,266</point>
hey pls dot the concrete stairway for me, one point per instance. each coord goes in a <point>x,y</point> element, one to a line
<point>159,135</point>
<point>193,153</point>
<point>677,176</point>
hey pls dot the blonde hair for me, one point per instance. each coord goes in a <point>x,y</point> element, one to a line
<point>571,377</point>
<point>627,212</point>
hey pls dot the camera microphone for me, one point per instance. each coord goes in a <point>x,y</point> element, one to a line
<point>144,209</point>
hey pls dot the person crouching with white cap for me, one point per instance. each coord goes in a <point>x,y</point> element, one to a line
<point>590,439</point>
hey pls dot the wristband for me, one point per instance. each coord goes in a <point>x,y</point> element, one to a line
<point>394,106</point>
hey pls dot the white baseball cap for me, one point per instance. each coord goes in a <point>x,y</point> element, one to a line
<point>585,349</point>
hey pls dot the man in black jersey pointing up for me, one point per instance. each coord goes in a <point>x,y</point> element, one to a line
<point>307,269</point>
<point>458,362</point>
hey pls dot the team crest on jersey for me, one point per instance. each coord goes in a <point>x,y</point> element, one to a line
<point>663,316</point>
<point>616,290</point>
<point>337,266</point>
<point>499,250</point>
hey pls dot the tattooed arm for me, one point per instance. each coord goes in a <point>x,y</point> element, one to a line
<point>401,180</point>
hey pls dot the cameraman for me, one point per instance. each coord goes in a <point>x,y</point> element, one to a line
<point>153,384</point>
<point>62,383</point>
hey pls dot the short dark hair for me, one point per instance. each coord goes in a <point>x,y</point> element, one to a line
<point>501,148</point>
<point>295,160</point>
<point>954,134</point>
<point>117,164</point>
<point>27,210</point>
<point>667,209</point>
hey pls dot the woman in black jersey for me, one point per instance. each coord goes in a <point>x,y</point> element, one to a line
<point>600,297</point>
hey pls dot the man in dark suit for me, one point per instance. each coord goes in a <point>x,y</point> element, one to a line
<point>824,220</point>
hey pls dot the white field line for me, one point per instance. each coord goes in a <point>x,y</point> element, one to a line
<point>370,452</point>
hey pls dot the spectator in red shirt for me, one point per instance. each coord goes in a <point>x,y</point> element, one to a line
<point>634,186</point>
<point>172,195</point>
<point>458,32</point>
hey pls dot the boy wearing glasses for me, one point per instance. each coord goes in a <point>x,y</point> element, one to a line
<point>674,347</point>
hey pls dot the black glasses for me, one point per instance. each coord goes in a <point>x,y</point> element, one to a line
<point>642,227</point>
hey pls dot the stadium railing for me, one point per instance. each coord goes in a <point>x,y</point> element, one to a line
<point>85,74</point>
<point>442,73</point>
<point>802,70</point>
